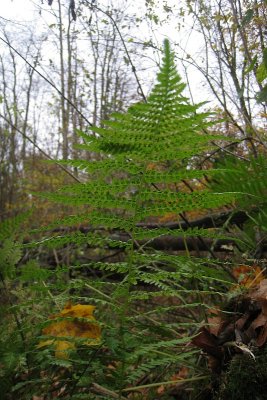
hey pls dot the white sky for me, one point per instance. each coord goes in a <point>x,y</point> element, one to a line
<point>19,10</point>
<point>26,11</point>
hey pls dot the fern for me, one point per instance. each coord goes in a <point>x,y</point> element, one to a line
<point>163,134</point>
<point>12,227</point>
<point>251,179</point>
<point>144,156</point>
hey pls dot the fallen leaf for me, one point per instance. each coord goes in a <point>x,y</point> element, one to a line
<point>247,275</point>
<point>207,342</point>
<point>260,293</point>
<point>75,322</point>
<point>182,374</point>
<point>214,320</point>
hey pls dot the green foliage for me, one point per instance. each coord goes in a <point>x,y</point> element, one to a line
<point>250,177</point>
<point>11,349</point>
<point>262,95</point>
<point>139,162</point>
<point>145,302</point>
<point>10,254</point>
<point>10,248</point>
<point>143,155</point>
<point>12,227</point>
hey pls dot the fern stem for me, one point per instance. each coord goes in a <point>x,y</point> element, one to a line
<point>98,291</point>
<point>151,385</point>
<point>51,296</point>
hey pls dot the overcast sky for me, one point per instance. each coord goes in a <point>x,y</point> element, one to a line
<point>26,11</point>
<point>20,9</point>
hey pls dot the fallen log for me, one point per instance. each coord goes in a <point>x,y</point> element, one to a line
<point>169,242</point>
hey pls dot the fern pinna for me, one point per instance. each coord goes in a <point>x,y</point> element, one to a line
<point>138,163</point>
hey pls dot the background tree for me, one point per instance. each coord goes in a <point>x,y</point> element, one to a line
<point>66,75</point>
<point>231,61</point>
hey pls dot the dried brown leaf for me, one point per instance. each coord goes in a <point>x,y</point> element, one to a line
<point>214,320</point>
<point>260,292</point>
<point>262,338</point>
<point>208,343</point>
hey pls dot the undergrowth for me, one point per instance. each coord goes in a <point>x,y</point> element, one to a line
<point>148,303</point>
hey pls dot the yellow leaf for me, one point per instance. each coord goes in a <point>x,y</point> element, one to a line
<point>62,348</point>
<point>79,323</point>
<point>248,276</point>
<point>80,310</point>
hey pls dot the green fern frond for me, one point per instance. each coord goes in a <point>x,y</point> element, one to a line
<point>144,154</point>
<point>251,179</point>
<point>10,254</point>
<point>11,226</point>
<point>144,157</point>
<point>249,176</point>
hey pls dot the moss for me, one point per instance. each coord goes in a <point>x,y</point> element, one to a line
<point>245,379</point>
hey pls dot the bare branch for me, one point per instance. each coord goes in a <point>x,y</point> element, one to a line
<point>47,80</point>
<point>39,148</point>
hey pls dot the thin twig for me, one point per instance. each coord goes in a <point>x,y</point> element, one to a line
<point>47,80</point>
<point>41,150</point>
<point>125,48</point>
<point>106,392</point>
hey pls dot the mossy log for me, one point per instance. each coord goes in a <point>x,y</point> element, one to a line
<point>245,379</point>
